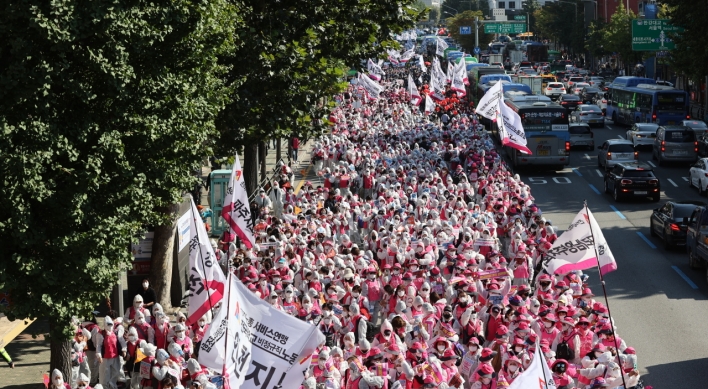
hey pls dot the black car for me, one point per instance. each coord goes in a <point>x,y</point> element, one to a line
<point>570,101</point>
<point>670,222</point>
<point>589,94</point>
<point>632,180</point>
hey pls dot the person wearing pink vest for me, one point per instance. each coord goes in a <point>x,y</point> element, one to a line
<point>182,340</point>
<point>373,290</point>
<point>109,347</point>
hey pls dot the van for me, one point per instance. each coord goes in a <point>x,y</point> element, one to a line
<point>675,143</point>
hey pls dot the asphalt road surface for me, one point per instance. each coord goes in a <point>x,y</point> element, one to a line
<point>659,304</point>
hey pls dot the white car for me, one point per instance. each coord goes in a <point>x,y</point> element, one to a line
<point>642,134</point>
<point>554,89</point>
<point>698,175</point>
<point>578,87</point>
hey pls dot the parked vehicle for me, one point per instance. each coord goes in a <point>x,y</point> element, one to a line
<point>670,222</point>
<point>676,144</point>
<point>632,180</point>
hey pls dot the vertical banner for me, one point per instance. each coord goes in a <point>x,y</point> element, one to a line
<point>441,46</point>
<point>514,135</point>
<point>413,91</point>
<point>236,210</point>
<point>257,346</point>
<point>206,280</point>
<point>488,105</point>
<point>429,105</point>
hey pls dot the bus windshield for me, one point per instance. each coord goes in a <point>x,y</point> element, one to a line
<point>544,119</point>
<point>670,103</point>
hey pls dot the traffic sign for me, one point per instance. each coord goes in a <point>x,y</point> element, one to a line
<point>653,34</point>
<point>477,50</point>
<point>465,30</point>
<point>520,17</point>
<point>504,28</point>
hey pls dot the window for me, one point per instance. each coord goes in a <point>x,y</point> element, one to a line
<point>502,4</point>
<point>512,5</point>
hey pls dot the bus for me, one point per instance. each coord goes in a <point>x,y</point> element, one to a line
<point>640,100</point>
<point>545,124</point>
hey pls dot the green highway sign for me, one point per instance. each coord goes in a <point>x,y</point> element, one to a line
<point>653,34</point>
<point>520,17</point>
<point>504,28</point>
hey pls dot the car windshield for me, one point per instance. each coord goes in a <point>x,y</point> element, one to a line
<point>590,108</point>
<point>622,148</point>
<point>579,130</point>
<point>682,211</point>
<point>571,97</point>
<point>695,124</point>
<point>639,173</point>
<point>680,136</point>
<point>555,85</point>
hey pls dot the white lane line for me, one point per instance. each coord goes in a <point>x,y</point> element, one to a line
<point>685,179</point>
<point>672,182</point>
<point>620,136</point>
<point>599,173</point>
<point>651,163</point>
<point>586,156</point>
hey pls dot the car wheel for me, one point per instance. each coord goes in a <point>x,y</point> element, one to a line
<point>693,261</point>
<point>616,195</point>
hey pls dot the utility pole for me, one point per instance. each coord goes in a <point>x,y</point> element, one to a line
<point>476,35</point>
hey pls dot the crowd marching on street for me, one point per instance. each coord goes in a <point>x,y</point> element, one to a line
<point>419,257</point>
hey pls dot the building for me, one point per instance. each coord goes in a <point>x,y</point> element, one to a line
<point>509,4</point>
<point>432,3</point>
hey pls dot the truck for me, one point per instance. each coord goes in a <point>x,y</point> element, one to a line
<point>697,239</point>
<point>496,59</point>
<point>516,56</point>
<point>534,82</point>
<point>537,53</point>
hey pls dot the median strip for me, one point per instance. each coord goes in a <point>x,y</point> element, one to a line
<point>644,238</point>
<point>618,212</point>
<point>685,277</point>
<point>594,189</point>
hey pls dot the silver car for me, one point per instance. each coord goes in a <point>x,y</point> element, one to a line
<point>675,143</point>
<point>642,134</point>
<point>590,114</point>
<point>614,151</point>
<point>581,135</point>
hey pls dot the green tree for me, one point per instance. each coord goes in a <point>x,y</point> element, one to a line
<point>467,18</point>
<point>553,21</point>
<point>618,36</point>
<point>105,111</point>
<point>691,54</point>
<point>529,8</point>
<point>596,39</point>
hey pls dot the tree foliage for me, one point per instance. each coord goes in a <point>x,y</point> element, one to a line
<point>562,23</point>
<point>691,53</point>
<point>105,109</point>
<point>596,41</point>
<point>618,35</point>
<point>467,18</point>
<point>529,8</point>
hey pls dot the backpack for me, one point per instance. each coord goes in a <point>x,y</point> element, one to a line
<point>371,330</point>
<point>563,350</point>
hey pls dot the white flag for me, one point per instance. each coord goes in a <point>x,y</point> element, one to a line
<point>374,70</point>
<point>206,280</point>
<point>421,63</point>
<point>373,90</point>
<point>458,80</point>
<point>429,105</point>
<point>413,91</point>
<point>510,129</point>
<point>450,72</point>
<point>575,249</point>
<point>437,81</point>
<point>256,346</point>
<point>488,105</point>
<point>408,54</point>
<point>538,375</point>
<point>441,46</point>
<point>236,210</point>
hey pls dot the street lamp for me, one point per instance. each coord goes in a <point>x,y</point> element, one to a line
<point>447,6</point>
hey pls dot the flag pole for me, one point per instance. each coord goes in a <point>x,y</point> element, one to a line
<point>226,333</point>
<point>201,257</point>
<point>543,361</point>
<point>604,291</point>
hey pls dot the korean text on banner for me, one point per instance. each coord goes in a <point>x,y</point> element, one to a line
<point>255,353</point>
<point>373,90</point>
<point>441,46</point>
<point>413,91</point>
<point>488,105</point>
<point>206,280</point>
<point>514,135</point>
<point>575,249</point>
<point>236,210</point>
<point>429,105</point>
<point>538,375</point>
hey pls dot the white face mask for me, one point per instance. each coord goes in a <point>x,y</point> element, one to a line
<point>513,368</point>
<point>145,285</point>
<point>137,304</point>
<point>202,323</point>
<point>326,313</point>
<point>59,381</point>
<point>401,293</point>
<point>355,295</point>
<point>486,380</point>
<point>547,324</point>
<point>473,349</point>
<point>180,335</point>
<point>414,268</point>
<point>441,348</point>
<point>139,320</point>
<point>519,349</point>
<point>372,276</point>
<point>132,338</point>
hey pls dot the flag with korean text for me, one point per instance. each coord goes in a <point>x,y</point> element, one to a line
<point>429,105</point>
<point>407,55</point>
<point>450,72</point>
<point>538,375</point>
<point>206,280</point>
<point>374,70</point>
<point>372,88</point>
<point>437,81</point>
<point>575,248</point>
<point>488,105</point>
<point>440,47</point>
<point>458,80</point>
<point>256,346</point>
<point>413,91</point>
<point>511,132</point>
<point>236,210</point>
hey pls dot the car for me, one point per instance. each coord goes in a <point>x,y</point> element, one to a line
<point>578,87</point>
<point>614,151</point>
<point>581,135</point>
<point>698,176</point>
<point>589,94</point>
<point>676,144</point>
<point>698,126</point>
<point>596,81</point>
<point>572,81</point>
<point>590,114</point>
<point>554,90</point>
<point>569,101</point>
<point>642,134</point>
<point>670,222</point>
<point>601,102</point>
<point>632,180</point>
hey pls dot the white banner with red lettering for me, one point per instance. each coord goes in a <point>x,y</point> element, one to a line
<point>413,91</point>
<point>256,346</point>
<point>511,131</point>
<point>236,210</point>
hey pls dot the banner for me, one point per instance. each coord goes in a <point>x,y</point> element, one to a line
<point>429,105</point>
<point>538,375</point>
<point>206,280</point>
<point>375,71</point>
<point>458,80</point>
<point>495,273</point>
<point>256,346</point>
<point>575,249</point>
<point>488,105</point>
<point>421,63</point>
<point>407,55</point>
<point>450,72</point>
<point>236,210</point>
<point>440,47</point>
<point>437,81</point>
<point>511,129</point>
<point>413,91</point>
<point>373,90</point>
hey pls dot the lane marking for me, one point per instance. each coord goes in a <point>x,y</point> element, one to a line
<point>599,173</point>
<point>672,182</point>
<point>577,172</point>
<point>303,179</point>
<point>620,136</point>
<point>651,163</point>
<point>618,212</point>
<point>594,189</point>
<point>645,239</point>
<point>586,156</point>
<point>685,277</point>
<point>685,179</point>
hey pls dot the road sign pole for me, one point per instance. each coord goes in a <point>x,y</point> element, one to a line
<point>476,35</point>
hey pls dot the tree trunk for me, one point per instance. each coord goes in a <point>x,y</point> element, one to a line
<point>278,150</point>
<point>60,349</point>
<point>163,256</point>
<point>262,158</point>
<point>250,167</point>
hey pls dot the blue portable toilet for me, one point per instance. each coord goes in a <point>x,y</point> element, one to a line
<point>217,192</point>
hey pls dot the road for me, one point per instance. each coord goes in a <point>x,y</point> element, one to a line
<point>659,304</point>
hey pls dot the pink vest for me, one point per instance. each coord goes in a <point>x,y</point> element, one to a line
<point>110,344</point>
<point>184,344</point>
<point>374,288</point>
<point>522,271</point>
